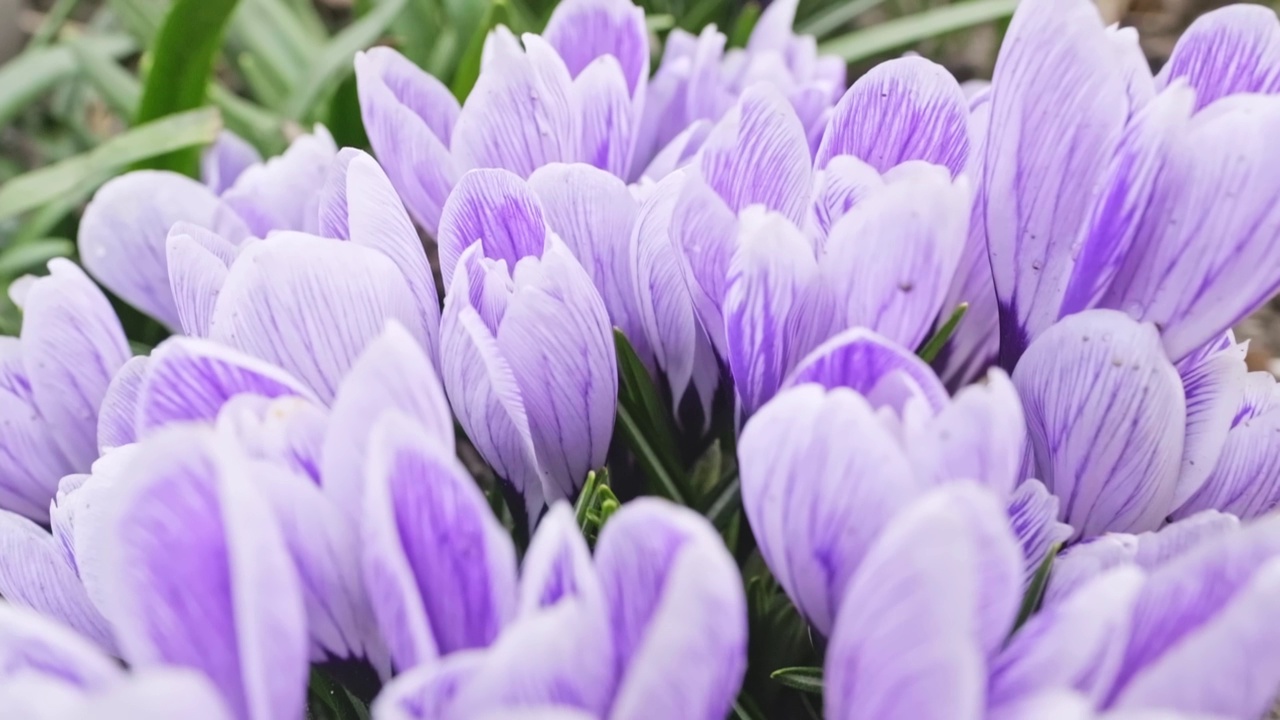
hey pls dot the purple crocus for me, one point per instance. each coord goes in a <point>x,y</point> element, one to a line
<point>527,354</point>
<point>124,230</point>
<point>55,378</point>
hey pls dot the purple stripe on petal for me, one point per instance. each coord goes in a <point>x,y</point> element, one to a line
<point>284,192</point>
<point>498,209</point>
<point>557,566</point>
<point>198,261</point>
<point>311,305</point>
<point>1214,388</point>
<point>225,160</point>
<point>845,182</point>
<point>583,30</point>
<point>903,109</point>
<point>409,116</point>
<point>1235,49</point>
<point>980,435</point>
<point>875,367</point>
<point>679,152</point>
<point>30,459</point>
<point>608,116</point>
<point>34,644</point>
<point>124,229</point>
<point>72,344</point>
<point>287,431</point>
<point>820,475</point>
<point>426,691</point>
<point>191,379</point>
<point>703,231</point>
<point>440,568</point>
<point>1106,418</point>
<point>1033,513</point>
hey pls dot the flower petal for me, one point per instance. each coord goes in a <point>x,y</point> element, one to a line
<point>124,230</point>
<point>33,461</point>
<point>980,435</point>
<point>608,116</point>
<point>31,642</point>
<point>498,209</point>
<point>903,109</point>
<point>583,30</point>
<point>283,193</point>
<point>1214,388</point>
<point>821,475</point>
<point>117,418</point>
<point>226,160</point>
<point>191,379</point>
<point>198,261</point>
<point>845,182</point>
<point>873,366</point>
<point>558,566</point>
<point>775,307</point>
<point>311,305</point>
<point>72,344</point>
<point>409,116</point>
<point>1106,417</point>
<point>1235,49</point>
<point>1033,513</point>
<point>1041,166</point>
<point>440,568</point>
<point>703,231</point>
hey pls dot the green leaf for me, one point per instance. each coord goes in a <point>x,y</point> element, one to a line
<point>742,27</point>
<point>18,259</point>
<point>727,502</point>
<point>805,679</point>
<point>663,482</point>
<point>497,13</point>
<point>639,398</point>
<point>32,73</point>
<point>328,700</point>
<point>745,709</point>
<point>82,174</point>
<point>275,50</point>
<point>906,31</point>
<point>939,340</point>
<point>333,64</point>
<point>1035,591</point>
<point>262,128</point>
<point>181,69</point>
<point>832,18</point>
<point>52,22</point>
<point>117,86</point>
<point>140,17</point>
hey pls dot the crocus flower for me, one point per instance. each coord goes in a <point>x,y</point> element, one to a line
<point>51,673</point>
<point>55,376</point>
<point>602,637</point>
<point>124,228</point>
<point>863,430</point>
<point>527,354</point>
<point>556,99</point>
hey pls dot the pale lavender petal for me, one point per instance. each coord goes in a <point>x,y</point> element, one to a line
<point>198,261</point>
<point>441,570</point>
<point>608,116</point>
<point>1106,417</point>
<point>1208,608</point>
<point>1077,644</point>
<point>498,209</point>
<point>1033,513</point>
<point>845,182</point>
<point>484,393</point>
<point>409,116</point>
<point>584,30</point>
<point>903,109</point>
<point>1235,49</point>
<point>200,575</point>
<point>34,573</point>
<point>1245,480</point>
<point>758,154</point>
<point>1202,256</point>
<point>72,345</point>
<point>311,305</point>
<point>557,339</point>
<point>821,475</point>
<point>911,640</point>
<point>157,694</point>
<point>284,192</point>
<point>890,259</point>
<point>225,160</point>
<point>1214,388</point>
<point>873,366</point>
<point>557,565</point>
<point>426,691</point>
<point>191,379</point>
<point>32,460</point>
<point>32,643</point>
<point>393,373</point>
<point>594,213</point>
<point>776,309</point>
<point>679,152</point>
<point>522,112</point>
<point>1041,164</point>
<point>124,229</point>
<point>703,231</point>
<point>287,431</point>
<point>980,435</point>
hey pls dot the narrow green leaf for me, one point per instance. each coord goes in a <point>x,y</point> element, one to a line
<point>939,340</point>
<point>659,23</point>
<point>637,393</point>
<point>333,64</point>
<point>52,22</point>
<point>117,86</point>
<point>18,259</point>
<point>911,29</point>
<point>262,128</point>
<point>181,69</point>
<point>742,27</point>
<point>42,222</point>
<point>497,13</point>
<point>663,482</point>
<point>1035,591</point>
<point>745,709</point>
<point>805,679</point>
<point>273,50</point>
<point>419,30</point>
<point>725,503</point>
<point>85,172</point>
<point>32,73</point>
<point>140,17</point>
<point>835,16</point>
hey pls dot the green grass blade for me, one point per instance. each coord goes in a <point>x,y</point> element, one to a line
<point>262,128</point>
<point>117,86</point>
<point>272,64</point>
<point>906,31</point>
<point>832,18</point>
<point>83,173</point>
<point>18,259</point>
<point>469,66</point>
<point>805,679</point>
<point>34,72</point>
<point>52,22</point>
<point>939,340</point>
<point>181,69</point>
<point>333,65</point>
<point>140,17</point>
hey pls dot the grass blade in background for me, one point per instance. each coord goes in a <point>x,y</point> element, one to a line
<point>469,66</point>
<point>20,258</point>
<point>117,86</point>
<point>82,174</point>
<point>906,31</point>
<point>334,64</point>
<point>34,72</point>
<point>832,18</point>
<point>181,68</point>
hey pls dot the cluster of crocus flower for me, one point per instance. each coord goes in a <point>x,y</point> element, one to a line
<point>278,485</point>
